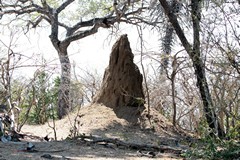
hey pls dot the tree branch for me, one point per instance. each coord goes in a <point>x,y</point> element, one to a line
<point>81,34</point>
<point>51,15</point>
<point>19,10</point>
<point>173,19</point>
<point>127,145</point>
<point>111,20</point>
<point>54,29</point>
<point>64,5</point>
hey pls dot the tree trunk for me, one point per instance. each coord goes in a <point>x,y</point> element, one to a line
<point>64,88</point>
<point>173,76</point>
<point>206,97</point>
<point>200,71</point>
<point>194,53</point>
<point>174,103</point>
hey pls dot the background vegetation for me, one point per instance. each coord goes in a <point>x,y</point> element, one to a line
<point>193,79</point>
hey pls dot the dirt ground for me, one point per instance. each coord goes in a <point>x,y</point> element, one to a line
<point>95,120</point>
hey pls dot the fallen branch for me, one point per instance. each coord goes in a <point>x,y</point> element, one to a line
<point>126,145</point>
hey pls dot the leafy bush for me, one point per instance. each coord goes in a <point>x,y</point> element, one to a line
<point>214,149</point>
<point>40,100</point>
<point>234,132</point>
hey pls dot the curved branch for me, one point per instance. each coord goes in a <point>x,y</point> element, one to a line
<point>19,10</point>
<point>111,20</point>
<point>64,5</point>
<point>82,34</point>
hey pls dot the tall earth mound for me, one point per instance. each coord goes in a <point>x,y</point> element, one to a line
<point>122,81</point>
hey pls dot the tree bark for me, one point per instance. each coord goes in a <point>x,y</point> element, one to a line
<point>194,53</point>
<point>202,84</point>
<point>61,47</point>
<point>173,76</point>
<point>64,88</point>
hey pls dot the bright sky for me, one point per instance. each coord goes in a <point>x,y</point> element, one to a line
<point>91,53</point>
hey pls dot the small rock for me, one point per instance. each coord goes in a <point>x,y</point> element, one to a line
<point>47,156</point>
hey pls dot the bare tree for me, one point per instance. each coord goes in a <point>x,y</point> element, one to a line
<point>221,45</point>
<point>85,26</point>
<point>8,61</point>
<point>195,55</point>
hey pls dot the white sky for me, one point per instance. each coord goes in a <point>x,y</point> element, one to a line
<point>90,53</point>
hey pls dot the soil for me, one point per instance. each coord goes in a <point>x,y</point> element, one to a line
<point>96,120</point>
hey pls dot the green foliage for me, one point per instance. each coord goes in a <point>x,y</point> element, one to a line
<point>93,8</point>
<point>38,99</point>
<point>214,149</point>
<point>203,129</point>
<point>210,147</point>
<point>230,150</point>
<point>41,100</point>
<point>234,132</point>
<point>23,114</point>
<point>41,96</point>
<point>137,102</point>
<point>85,9</point>
<point>53,3</point>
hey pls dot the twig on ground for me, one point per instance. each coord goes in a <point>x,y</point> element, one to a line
<point>126,145</point>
